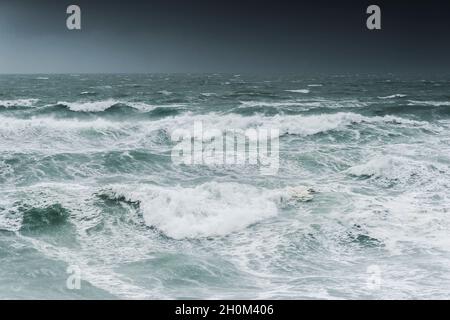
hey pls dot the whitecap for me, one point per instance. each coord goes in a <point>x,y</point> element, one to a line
<point>299,91</point>
<point>287,124</point>
<point>18,103</point>
<point>396,169</point>
<point>103,105</point>
<point>280,104</point>
<point>55,135</point>
<point>89,106</point>
<point>429,103</point>
<point>310,103</point>
<point>209,209</point>
<point>398,95</point>
<point>387,167</point>
<point>208,94</point>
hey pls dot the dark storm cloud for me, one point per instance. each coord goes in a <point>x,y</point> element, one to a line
<point>224,35</point>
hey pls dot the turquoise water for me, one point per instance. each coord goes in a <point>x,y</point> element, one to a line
<point>87,180</point>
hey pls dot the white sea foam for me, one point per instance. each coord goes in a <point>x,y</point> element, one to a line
<point>387,167</point>
<point>398,95</point>
<point>280,104</point>
<point>102,105</point>
<point>5,169</point>
<point>142,106</point>
<point>315,85</point>
<point>299,91</point>
<point>90,106</point>
<point>306,103</point>
<point>65,135</point>
<point>287,124</point>
<point>92,254</point>
<point>21,125</point>
<point>429,103</point>
<point>18,103</point>
<point>396,168</point>
<point>209,209</point>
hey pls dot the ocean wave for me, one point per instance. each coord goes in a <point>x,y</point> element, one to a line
<point>429,103</point>
<point>315,85</point>
<point>23,125</point>
<point>104,105</point>
<point>398,95</point>
<point>395,169</point>
<point>55,135</point>
<point>88,93</point>
<point>286,124</point>
<point>299,91</point>
<point>18,103</point>
<point>103,87</point>
<point>94,106</point>
<point>209,209</point>
<point>5,170</point>
<point>280,104</point>
<point>37,219</point>
<point>386,167</point>
<point>208,94</point>
<point>310,103</point>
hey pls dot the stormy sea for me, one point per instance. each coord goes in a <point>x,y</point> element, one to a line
<point>358,208</point>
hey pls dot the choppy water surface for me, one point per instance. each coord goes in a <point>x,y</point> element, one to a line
<point>86,180</point>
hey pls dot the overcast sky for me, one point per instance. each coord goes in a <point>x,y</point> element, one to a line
<point>224,36</point>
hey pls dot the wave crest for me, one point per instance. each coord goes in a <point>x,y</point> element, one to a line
<point>396,170</point>
<point>209,209</point>
<point>299,91</point>
<point>287,124</point>
<point>103,105</point>
<point>398,95</point>
<point>18,103</point>
<point>429,103</point>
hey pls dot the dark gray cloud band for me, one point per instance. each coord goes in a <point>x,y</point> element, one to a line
<point>224,36</point>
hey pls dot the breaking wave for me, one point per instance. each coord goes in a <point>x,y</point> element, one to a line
<point>287,124</point>
<point>310,103</point>
<point>399,95</point>
<point>28,132</point>
<point>429,103</point>
<point>103,105</point>
<point>299,91</point>
<point>209,209</point>
<point>395,169</point>
<point>18,103</point>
